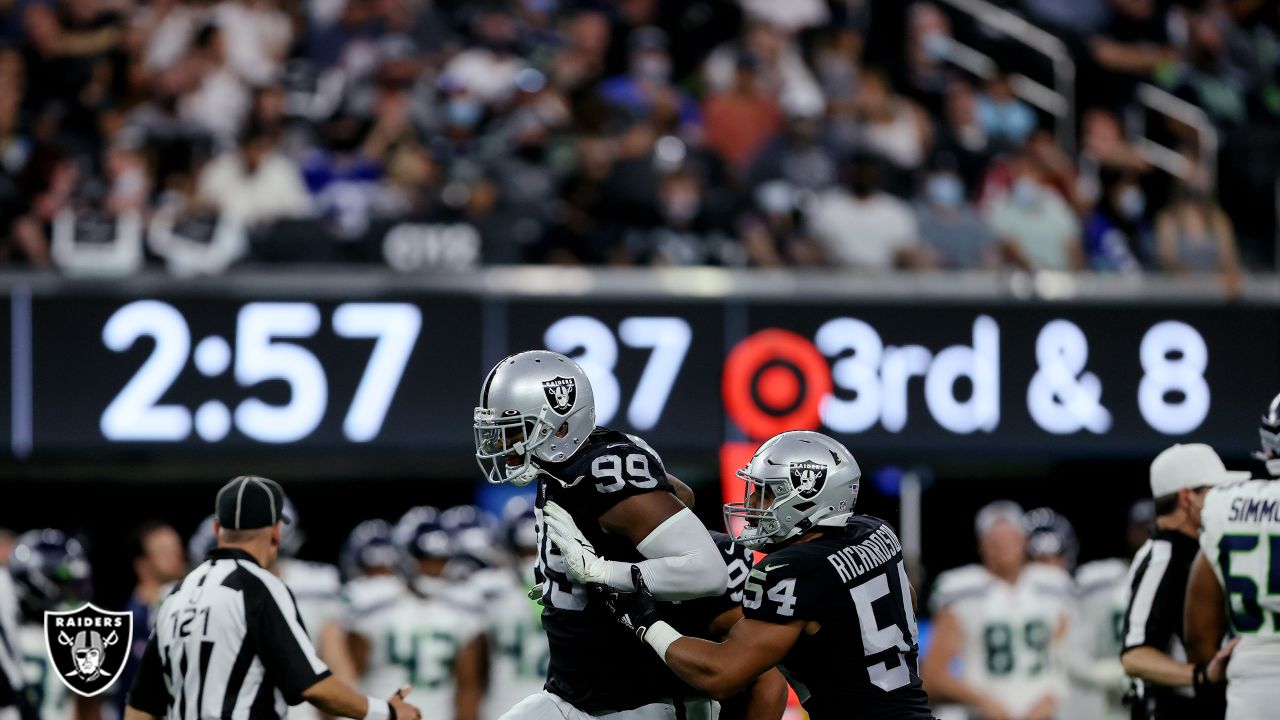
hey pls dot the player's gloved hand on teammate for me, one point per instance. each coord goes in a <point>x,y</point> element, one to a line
<point>637,611</point>
<point>580,559</point>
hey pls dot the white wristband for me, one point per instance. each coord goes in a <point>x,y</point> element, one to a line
<point>660,635</point>
<point>379,709</point>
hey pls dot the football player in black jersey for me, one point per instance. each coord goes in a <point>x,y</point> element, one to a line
<point>536,422</point>
<point>832,586</point>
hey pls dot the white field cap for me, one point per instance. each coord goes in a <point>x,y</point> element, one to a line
<point>994,512</point>
<point>1189,466</point>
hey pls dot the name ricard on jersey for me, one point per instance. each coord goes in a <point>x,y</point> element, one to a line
<point>875,551</point>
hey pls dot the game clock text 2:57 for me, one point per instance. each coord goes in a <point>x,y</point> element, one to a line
<point>266,372</point>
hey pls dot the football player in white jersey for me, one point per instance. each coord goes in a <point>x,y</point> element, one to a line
<point>1238,568</point>
<point>50,572</point>
<point>400,637</point>
<point>518,650</point>
<point>1006,621</point>
<point>1098,681</point>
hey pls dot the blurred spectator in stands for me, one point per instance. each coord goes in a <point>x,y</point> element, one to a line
<point>1194,235</point>
<point>169,26</point>
<point>211,96</point>
<point>1104,143</point>
<point>128,178</point>
<point>1104,150</point>
<point>838,61</point>
<point>71,49</point>
<point>647,84</point>
<point>1131,46</point>
<point>926,75</point>
<point>158,561</point>
<point>7,541</point>
<point>1036,227</point>
<point>488,69</point>
<point>1045,157</point>
<point>739,121</point>
<point>1209,75</point>
<point>47,184</point>
<point>891,127</point>
<point>864,227</point>
<point>780,70</point>
<point>949,224</point>
<point>1071,19</point>
<point>344,180</point>
<point>773,235</point>
<point>15,148</point>
<point>581,58</point>
<point>1006,119</point>
<point>1117,235</point>
<point>689,231</point>
<point>962,135</point>
<point>801,154</point>
<point>790,16</point>
<point>257,35</point>
<point>254,182</point>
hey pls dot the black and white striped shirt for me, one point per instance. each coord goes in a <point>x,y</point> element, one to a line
<point>228,644</point>
<point>12,681</point>
<point>1157,594</point>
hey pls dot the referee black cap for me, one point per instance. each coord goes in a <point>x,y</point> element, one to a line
<point>250,502</point>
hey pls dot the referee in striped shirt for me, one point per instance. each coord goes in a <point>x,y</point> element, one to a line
<point>1154,654</point>
<point>229,643</point>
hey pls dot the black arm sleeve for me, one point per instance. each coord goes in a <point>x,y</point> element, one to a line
<point>282,644</point>
<point>149,693</point>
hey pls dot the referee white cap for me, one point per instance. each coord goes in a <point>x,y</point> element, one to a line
<point>250,502</point>
<point>1191,465</point>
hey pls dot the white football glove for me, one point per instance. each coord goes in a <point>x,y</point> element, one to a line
<point>580,559</point>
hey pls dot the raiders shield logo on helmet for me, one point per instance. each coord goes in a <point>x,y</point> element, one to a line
<point>88,646</point>
<point>808,477</point>
<point>561,392</point>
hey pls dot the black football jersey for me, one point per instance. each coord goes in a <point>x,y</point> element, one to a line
<point>694,617</point>
<point>862,661</point>
<point>596,664</point>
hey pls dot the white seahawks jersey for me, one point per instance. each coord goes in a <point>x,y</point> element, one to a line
<point>412,641</point>
<point>1094,641</point>
<point>317,591</point>
<point>1240,536</point>
<point>55,701</point>
<point>1008,647</point>
<point>518,650</point>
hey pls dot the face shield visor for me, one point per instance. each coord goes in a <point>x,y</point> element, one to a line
<point>503,446</point>
<point>753,523</point>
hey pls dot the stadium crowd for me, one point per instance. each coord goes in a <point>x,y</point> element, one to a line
<point>444,134</point>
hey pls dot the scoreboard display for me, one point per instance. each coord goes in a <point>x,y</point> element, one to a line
<point>167,369</point>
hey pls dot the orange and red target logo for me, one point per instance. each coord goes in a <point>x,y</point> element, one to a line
<point>773,381</point>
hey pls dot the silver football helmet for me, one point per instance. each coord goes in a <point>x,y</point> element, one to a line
<point>534,405</point>
<point>795,481</point>
<point>1269,432</point>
